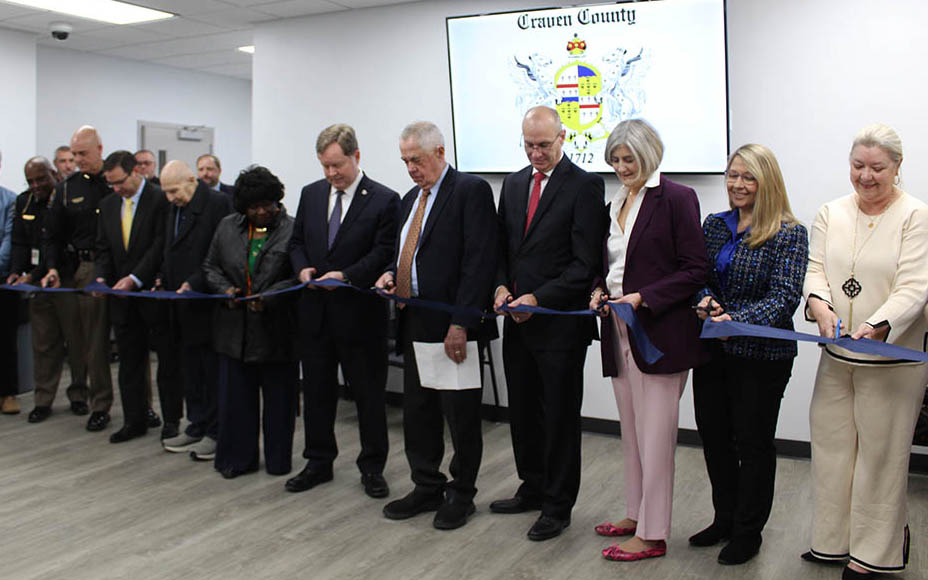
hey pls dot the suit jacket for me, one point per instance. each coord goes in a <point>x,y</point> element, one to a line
<point>666,263</point>
<point>362,251</point>
<point>456,260</point>
<point>183,259</point>
<point>227,189</point>
<point>557,259</point>
<point>146,242</point>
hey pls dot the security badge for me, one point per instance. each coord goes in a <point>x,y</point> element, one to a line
<point>35,257</point>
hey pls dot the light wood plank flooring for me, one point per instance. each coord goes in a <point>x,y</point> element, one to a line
<point>73,506</point>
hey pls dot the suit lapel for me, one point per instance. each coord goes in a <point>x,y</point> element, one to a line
<point>192,211</point>
<point>521,194</point>
<point>444,195</point>
<point>318,214</point>
<point>115,225</point>
<point>360,199</point>
<point>648,205</point>
<point>146,198</point>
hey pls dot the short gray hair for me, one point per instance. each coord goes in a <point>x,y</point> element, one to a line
<point>426,134</point>
<point>643,141</point>
<point>882,136</point>
<point>338,133</point>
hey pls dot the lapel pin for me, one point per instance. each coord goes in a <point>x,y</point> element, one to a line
<point>363,192</point>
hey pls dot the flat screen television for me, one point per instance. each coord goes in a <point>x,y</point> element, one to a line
<point>663,61</point>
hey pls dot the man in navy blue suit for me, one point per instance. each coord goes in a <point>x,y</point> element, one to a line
<point>345,230</point>
<point>445,252</point>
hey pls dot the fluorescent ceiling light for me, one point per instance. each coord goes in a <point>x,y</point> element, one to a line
<point>103,10</point>
<point>250,49</point>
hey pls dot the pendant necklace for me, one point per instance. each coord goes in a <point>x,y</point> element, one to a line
<point>852,286</point>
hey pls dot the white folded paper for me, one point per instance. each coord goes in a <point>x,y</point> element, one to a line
<point>437,371</point>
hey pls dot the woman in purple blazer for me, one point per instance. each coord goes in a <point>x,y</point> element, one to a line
<point>654,259</point>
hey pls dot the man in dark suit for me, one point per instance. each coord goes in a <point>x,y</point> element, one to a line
<point>445,252</point>
<point>130,238</point>
<point>345,229</point>
<point>209,170</point>
<point>190,222</point>
<point>551,216</point>
<point>146,165</point>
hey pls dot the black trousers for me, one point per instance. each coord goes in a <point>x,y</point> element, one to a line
<point>364,365</point>
<point>199,369</point>
<point>737,403</point>
<point>424,414</point>
<point>545,393</point>
<point>9,321</point>
<point>141,326</point>
<point>240,410</point>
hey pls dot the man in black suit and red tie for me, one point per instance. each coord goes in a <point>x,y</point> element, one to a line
<point>551,216</point>
<point>445,252</point>
<point>130,238</point>
<point>345,229</point>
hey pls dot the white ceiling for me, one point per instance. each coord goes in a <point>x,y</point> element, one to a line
<point>203,35</point>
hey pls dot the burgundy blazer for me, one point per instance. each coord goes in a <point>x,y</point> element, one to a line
<point>666,263</point>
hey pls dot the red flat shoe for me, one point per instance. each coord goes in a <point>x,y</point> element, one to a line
<point>617,554</point>
<point>607,529</point>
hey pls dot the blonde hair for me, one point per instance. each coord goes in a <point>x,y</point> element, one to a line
<point>882,136</point>
<point>771,205</point>
<point>642,140</point>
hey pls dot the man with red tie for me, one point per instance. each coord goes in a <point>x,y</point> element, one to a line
<point>551,215</point>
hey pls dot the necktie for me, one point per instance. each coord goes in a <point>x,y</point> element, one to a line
<point>126,222</point>
<point>404,268</point>
<point>533,200</point>
<point>179,220</point>
<point>335,220</point>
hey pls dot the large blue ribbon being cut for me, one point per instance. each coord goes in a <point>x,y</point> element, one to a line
<point>863,346</point>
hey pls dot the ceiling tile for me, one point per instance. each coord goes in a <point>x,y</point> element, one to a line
<point>233,17</point>
<point>184,7</point>
<point>294,8</point>
<point>209,59</point>
<point>9,11</point>
<point>81,42</point>
<point>370,3</point>
<point>180,28</point>
<point>193,45</point>
<point>38,20</point>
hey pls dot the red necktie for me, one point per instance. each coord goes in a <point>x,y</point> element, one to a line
<point>533,200</point>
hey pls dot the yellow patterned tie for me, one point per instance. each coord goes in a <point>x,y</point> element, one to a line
<point>126,222</point>
<point>404,268</point>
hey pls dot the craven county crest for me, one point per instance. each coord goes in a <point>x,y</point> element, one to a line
<point>591,93</point>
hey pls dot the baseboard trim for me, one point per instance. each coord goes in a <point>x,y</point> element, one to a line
<point>918,462</point>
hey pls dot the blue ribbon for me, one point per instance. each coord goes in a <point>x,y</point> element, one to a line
<point>647,349</point>
<point>863,346</point>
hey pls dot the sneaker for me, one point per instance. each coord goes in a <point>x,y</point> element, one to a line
<point>10,405</point>
<point>180,443</point>
<point>205,450</point>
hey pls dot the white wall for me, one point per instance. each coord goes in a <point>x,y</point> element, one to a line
<point>803,76</point>
<point>113,94</point>
<point>17,106</point>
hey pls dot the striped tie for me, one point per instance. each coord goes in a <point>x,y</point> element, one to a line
<point>404,268</point>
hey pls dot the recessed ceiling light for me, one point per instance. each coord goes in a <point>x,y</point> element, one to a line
<point>250,49</point>
<point>103,10</point>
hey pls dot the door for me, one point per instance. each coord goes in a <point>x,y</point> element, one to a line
<point>170,141</point>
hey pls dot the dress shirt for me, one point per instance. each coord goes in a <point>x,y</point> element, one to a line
<point>433,193</point>
<point>346,197</point>
<point>544,182</point>
<point>618,240</point>
<point>135,208</point>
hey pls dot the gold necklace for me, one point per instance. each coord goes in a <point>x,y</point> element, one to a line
<point>852,286</point>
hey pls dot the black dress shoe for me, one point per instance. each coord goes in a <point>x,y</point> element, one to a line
<point>98,421</point>
<point>849,574</point>
<point>152,420</point>
<point>79,408</point>
<point>128,432</point>
<point>810,557</point>
<point>412,505</point>
<point>308,479</point>
<point>39,414</point>
<point>232,473</point>
<point>514,505</point>
<point>740,549</point>
<point>375,485</point>
<point>710,536</point>
<point>453,515</point>
<point>547,527</point>
<point>170,430</point>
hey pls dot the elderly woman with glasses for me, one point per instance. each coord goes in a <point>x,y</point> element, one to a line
<point>655,260</point>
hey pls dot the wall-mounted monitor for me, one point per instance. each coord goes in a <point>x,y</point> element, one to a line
<point>663,61</point>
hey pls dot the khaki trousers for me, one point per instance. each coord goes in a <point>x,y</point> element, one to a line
<point>56,321</point>
<point>95,327</point>
<point>862,419</point>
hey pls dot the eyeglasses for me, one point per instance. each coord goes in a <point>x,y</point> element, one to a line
<point>543,146</point>
<point>746,178</point>
<point>113,184</point>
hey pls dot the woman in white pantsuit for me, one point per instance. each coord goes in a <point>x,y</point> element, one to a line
<point>868,273</point>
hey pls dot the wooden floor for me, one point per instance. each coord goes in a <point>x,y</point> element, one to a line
<point>73,506</point>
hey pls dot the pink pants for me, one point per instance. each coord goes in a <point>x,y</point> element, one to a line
<point>649,409</point>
